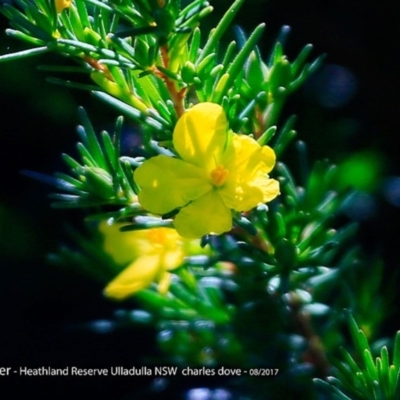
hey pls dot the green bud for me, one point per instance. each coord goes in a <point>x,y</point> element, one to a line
<point>188,72</point>
<point>203,66</point>
<point>256,72</point>
<point>280,75</point>
<point>216,70</point>
<point>92,37</point>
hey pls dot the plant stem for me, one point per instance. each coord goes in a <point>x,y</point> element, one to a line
<point>176,96</point>
<point>314,353</point>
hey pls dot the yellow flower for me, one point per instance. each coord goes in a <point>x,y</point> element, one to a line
<point>62,5</point>
<point>218,171</point>
<point>149,255</point>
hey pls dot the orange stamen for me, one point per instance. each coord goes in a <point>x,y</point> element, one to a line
<point>219,175</point>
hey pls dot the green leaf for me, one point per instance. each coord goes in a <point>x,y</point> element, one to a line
<point>267,135</point>
<point>280,76</point>
<point>217,33</point>
<point>240,59</point>
<point>354,368</point>
<point>298,63</point>
<point>370,365</point>
<point>73,164</point>
<point>70,84</point>
<point>286,255</point>
<point>99,182</point>
<point>89,138</point>
<point>285,136</point>
<point>23,54</point>
<point>396,351</point>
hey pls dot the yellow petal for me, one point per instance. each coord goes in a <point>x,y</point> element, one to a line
<point>245,156</point>
<point>121,246</point>
<point>247,195</point>
<point>168,183</point>
<point>200,135</point>
<point>164,282</point>
<point>248,183</point>
<point>139,275</point>
<point>268,157</point>
<point>269,187</point>
<point>62,5</point>
<point>241,196</point>
<point>208,214</point>
<point>172,258</point>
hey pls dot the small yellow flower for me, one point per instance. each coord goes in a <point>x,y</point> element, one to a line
<point>149,255</point>
<point>62,5</point>
<point>218,171</point>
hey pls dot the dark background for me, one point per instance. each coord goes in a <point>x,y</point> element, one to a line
<point>47,313</point>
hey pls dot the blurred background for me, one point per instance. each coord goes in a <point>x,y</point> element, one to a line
<point>347,112</point>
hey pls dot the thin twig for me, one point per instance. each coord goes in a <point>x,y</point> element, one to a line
<point>314,353</point>
<point>177,96</point>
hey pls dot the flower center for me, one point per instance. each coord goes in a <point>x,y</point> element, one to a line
<point>219,175</point>
<point>157,236</point>
<point>163,238</point>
